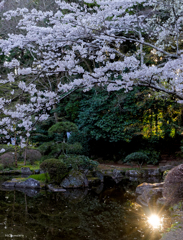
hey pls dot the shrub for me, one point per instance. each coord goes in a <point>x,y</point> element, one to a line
<point>139,157</point>
<point>52,148</point>
<point>56,169</point>
<point>83,139</point>
<point>7,160</point>
<point>32,155</point>
<point>47,147</point>
<point>153,156</point>
<point>79,162</point>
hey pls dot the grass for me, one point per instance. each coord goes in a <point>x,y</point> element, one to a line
<point>32,167</point>
<point>43,177</point>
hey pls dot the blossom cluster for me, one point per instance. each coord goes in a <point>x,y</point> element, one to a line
<point>83,45</point>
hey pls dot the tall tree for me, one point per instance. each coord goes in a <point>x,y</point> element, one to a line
<point>82,44</point>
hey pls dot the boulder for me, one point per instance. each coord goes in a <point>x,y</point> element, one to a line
<point>9,184</point>
<point>173,187</point>
<point>29,183</point>
<point>99,175</point>
<point>151,195</point>
<point>142,187</point>
<point>116,174</point>
<point>25,171</point>
<point>141,201</point>
<point>165,168</point>
<point>148,193</point>
<point>151,172</point>
<point>134,173</point>
<point>161,202</point>
<point>74,179</point>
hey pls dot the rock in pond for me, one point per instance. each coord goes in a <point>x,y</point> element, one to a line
<point>114,173</point>
<point>150,197</point>
<point>148,193</point>
<point>29,183</point>
<point>99,175</point>
<point>9,184</point>
<point>134,173</point>
<point>117,174</point>
<point>74,179</point>
<point>140,188</point>
<point>151,172</point>
<point>55,188</point>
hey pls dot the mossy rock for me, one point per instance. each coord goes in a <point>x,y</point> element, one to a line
<point>75,179</point>
<point>173,186</point>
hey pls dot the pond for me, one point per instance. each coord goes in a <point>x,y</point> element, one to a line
<point>103,213</point>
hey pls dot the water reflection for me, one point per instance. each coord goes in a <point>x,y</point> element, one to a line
<point>155,221</point>
<point>102,213</point>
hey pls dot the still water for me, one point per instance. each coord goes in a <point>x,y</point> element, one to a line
<point>102,213</point>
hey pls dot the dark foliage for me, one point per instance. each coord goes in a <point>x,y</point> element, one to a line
<point>56,169</point>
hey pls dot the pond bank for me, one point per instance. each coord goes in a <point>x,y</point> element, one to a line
<point>84,178</point>
<point>117,174</point>
<point>175,232</point>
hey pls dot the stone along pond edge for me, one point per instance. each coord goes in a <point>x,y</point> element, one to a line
<point>146,193</point>
<point>78,179</point>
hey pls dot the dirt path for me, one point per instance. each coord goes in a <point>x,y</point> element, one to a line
<point>107,166</point>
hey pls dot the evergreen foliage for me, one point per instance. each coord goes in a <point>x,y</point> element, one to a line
<point>79,162</point>
<point>62,127</point>
<point>56,169</point>
<point>139,157</point>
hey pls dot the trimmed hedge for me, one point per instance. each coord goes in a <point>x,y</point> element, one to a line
<point>139,157</point>
<point>56,169</point>
<point>79,162</point>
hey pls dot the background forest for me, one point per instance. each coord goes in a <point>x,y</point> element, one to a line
<point>101,124</point>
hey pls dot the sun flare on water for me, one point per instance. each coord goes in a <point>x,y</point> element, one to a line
<point>154,221</point>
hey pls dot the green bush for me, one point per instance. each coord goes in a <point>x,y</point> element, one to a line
<point>139,157</point>
<point>83,139</point>
<point>52,148</point>
<point>32,155</point>
<point>7,160</point>
<point>56,169</point>
<point>79,162</point>
<point>48,147</point>
<point>154,156</point>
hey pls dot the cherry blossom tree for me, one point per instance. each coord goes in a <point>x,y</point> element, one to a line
<point>113,43</point>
